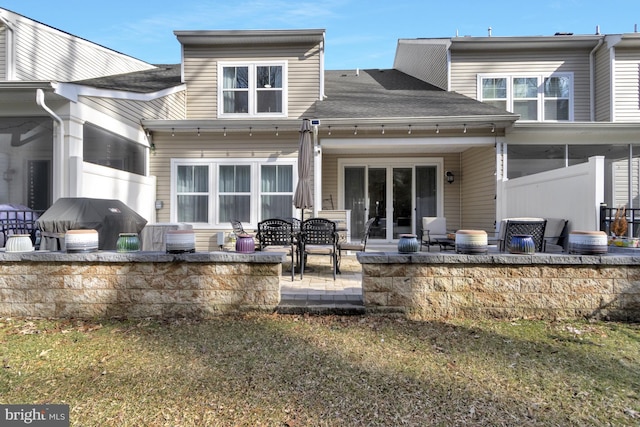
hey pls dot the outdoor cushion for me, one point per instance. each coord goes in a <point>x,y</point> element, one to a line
<point>319,249</point>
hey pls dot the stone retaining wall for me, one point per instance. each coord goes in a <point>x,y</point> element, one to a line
<point>142,284</point>
<point>543,286</point>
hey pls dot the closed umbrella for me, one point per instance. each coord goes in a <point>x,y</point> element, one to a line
<point>302,198</point>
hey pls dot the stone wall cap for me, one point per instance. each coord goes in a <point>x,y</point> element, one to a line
<point>144,256</point>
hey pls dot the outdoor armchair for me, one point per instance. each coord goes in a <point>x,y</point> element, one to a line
<point>433,228</point>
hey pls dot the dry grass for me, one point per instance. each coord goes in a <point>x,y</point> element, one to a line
<point>273,370</point>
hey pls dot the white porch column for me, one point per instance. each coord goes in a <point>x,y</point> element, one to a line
<point>317,179</point>
<point>74,157</point>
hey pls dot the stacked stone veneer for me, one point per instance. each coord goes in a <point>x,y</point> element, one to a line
<point>542,286</point>
<point>144,284</point>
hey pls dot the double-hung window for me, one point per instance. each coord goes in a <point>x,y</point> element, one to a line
<point>252,89</point>
<point>534,97</point>
<point>213,192</point>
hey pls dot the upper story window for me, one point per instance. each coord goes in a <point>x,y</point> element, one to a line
<point>252,89</point>
<point>534,97</point>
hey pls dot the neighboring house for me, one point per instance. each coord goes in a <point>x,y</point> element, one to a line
<point>578,96</point>
<point>61,137</point>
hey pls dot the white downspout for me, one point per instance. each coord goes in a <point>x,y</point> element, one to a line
<point>592,88</point>
<point>58,149</point>
<point>10,66</point>
<point>322,68</point>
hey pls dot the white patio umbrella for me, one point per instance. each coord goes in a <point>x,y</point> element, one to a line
<point>302,198</point>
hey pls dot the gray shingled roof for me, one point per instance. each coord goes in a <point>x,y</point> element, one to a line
<point>147,81</point>
<point>369,94</point>
<point>392,93</point>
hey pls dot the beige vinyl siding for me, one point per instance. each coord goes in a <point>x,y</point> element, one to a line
<point>620,175</point>
<point>424,60</point>
<point>479,189</point>
<point>627,85</point>
<point>170,107</point>
<point>466,66</point>
<point>3,52</point>
<point>185,146</point>
<point>201,75</point>
<point>602,85</point>
<point>61,56</point>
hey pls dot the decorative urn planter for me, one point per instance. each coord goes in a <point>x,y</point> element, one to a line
<point>80,241</point>
<point>128,242</point>
<point>408,243</point>
<point>245,244</point>
<point>588,242</point>
<point>19,243</point>
<point>521,244</point>
<point>471,242</point>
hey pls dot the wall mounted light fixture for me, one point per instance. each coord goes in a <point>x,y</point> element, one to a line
<point>450,177</point>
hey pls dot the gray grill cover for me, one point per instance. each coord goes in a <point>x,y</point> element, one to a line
<point>108,217</point>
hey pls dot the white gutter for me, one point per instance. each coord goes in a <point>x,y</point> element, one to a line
<point>10,66</point>
<point>592,78</point>
<point>58,148</point>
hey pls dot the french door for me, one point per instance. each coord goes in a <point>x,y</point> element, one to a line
<point>397,197</point>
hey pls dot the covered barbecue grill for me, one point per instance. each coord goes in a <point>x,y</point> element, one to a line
<point>108,217</point>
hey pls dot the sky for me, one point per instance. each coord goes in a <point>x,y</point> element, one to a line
<point>359,34</point>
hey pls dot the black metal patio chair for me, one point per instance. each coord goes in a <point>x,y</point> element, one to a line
<point>277,235</point>
<point>524,226</point>
<point>318,236</point>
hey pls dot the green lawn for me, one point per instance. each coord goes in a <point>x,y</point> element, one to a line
<point>274,370</point>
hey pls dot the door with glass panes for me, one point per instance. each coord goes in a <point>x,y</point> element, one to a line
<point>395,196</point>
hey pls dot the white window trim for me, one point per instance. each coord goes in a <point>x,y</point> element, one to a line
<point>252,88</point>
<point>541,77</point>
<point>213,165</point>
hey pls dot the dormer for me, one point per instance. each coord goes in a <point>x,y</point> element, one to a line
<point>255,74</point>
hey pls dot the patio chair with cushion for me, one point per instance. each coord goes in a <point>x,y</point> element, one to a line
<point>433,229</point>
<point>534,227</point>
<point>276,235</point>
<point>318,236</point>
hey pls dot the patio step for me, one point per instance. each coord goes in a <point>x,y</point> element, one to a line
<point>340,305</point>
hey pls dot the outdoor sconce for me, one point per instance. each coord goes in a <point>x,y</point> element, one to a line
<point>449,176</point>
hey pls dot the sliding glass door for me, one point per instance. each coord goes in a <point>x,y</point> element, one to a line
<point>395,196</point>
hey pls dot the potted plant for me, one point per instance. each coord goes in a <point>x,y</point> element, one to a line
<point>619,227</point>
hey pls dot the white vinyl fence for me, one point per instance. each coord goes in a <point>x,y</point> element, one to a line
<point>572,193</point>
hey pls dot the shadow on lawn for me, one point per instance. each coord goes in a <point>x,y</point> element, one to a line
<point>330,370</point>
<point>379,371</point>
